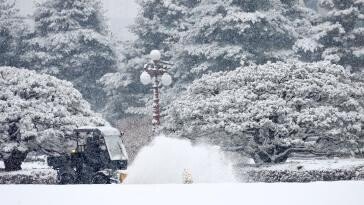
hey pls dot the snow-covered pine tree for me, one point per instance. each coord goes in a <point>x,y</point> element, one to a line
<point>272,110</point>
<point>72,42</point>
<point>12,32</point>
<point>200,36</point>
<point>157,26</point>
<point>337,35</point>
<point>225,34</point>
<point>313,4</point>
<point>38,113</point>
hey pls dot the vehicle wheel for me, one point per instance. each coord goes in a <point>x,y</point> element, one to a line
<point>66,178</point>
<point>100,179</point>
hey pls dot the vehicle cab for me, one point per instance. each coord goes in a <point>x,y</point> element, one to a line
<point>100,157</point>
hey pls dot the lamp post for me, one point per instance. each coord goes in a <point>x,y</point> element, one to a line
<point>156,72</point>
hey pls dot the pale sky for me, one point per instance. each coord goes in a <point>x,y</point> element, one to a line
<point>120,13</point>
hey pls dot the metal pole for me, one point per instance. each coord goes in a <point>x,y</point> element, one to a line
<point>155,70</point>
<point>156,107</point>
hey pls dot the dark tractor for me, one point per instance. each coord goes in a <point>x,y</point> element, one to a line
<point>99,158</point>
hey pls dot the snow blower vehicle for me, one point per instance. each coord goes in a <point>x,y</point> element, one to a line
<point>100,157</point>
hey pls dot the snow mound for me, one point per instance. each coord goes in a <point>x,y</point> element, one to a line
<point>166,160</point>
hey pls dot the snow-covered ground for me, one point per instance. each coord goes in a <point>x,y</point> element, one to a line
<point>333,193</point>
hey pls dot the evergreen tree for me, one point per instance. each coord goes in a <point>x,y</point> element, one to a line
<point>337,36</point>
<point>12,32</point>
<point>71,42</point>
<point>270,111</point>
<point>205,36</point>
<point>39,113</point>
<point>158,26</point>
<point>223,35</point>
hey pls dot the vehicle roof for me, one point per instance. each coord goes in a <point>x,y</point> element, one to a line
<point>106,130</point>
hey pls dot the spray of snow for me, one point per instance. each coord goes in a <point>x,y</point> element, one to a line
<point>166,160</point>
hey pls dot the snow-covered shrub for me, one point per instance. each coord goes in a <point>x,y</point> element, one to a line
<point>44,176</point>
<point>38,113</point>
<point>270,111</point>
<point>274,176</point>
<point>33,172</point>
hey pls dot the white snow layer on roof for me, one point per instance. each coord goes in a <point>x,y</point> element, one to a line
<point>321,193</point>
<point>107,130</point>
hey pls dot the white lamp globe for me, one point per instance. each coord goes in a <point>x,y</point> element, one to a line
<point>145,78</point>
<point>166,79</point>
<point>155,55</point>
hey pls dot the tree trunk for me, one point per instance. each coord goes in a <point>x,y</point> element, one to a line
<point>261,157</point>
<point>14,161</point>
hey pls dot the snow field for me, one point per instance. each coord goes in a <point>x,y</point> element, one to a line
<point>333,193</point>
